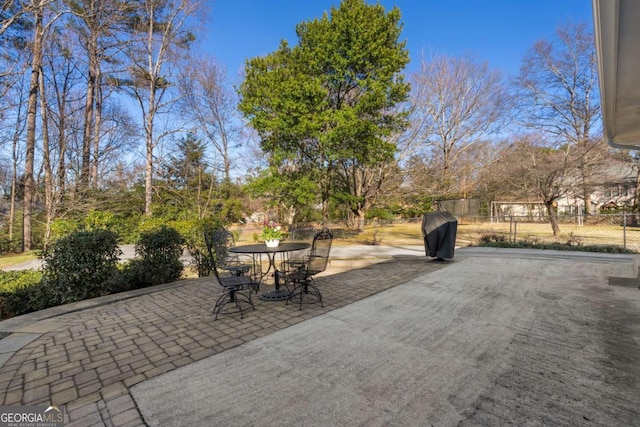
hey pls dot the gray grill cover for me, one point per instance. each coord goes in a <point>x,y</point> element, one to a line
<point>439,232</point>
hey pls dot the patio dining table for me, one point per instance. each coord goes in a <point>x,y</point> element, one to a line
<point>278,293</point>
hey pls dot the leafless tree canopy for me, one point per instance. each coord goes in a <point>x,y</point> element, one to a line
<point>558,96</point>
<point>457,105</point>
<point>558,86</point>
<point>210,104</point>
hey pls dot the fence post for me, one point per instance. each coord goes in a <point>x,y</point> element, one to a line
<point>510,227</point>
<point>624,229</point>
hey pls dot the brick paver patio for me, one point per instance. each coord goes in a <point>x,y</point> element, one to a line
<point>90,358</point>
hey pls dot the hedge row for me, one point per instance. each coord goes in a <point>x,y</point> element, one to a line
<point>84,264</point>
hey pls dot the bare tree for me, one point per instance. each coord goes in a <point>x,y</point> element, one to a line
<point>32,106</point>
<point>93,14</point>
<point>16,108</point>
<point>558,91</point>
<point>37,8</point>
<point>12,12</point>
<point>15,33</point>
<point>61,95</point>
<point>15,61</point>
<point>458,103</point>
<point>118,133</point>
<point>97,24</point>
<point>161,37</point>
<point>211,105</point>
<point>536,172</point>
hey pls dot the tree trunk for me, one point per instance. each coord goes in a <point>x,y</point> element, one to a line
<point>14,179</point>
<point>324,192</point>
<point>634,207</point>
<point>289,214</point>
<point>15,158</point>
<point>636,194</point>
<point>148,181</point>
<point>359,217</point>
<point>586,191</point>
<point>49,203</point>
<point>85,171</point>
<point>225,152</point>
<point>587,200</point>
<point>96,128</point>
<point>553,218</point>
<point>62,166</point>
<point>32,107</point>
<point>152,73</point>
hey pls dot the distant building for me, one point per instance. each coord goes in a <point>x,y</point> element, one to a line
<point>616,191</point>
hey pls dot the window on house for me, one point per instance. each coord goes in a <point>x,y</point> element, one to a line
<point>615,191</point>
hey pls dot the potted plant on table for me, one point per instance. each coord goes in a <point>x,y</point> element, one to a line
<point>272,234</point>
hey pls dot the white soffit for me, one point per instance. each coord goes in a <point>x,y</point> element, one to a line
<point>617,37</point>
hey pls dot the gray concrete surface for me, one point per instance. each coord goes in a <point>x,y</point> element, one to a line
<point>497,338</point>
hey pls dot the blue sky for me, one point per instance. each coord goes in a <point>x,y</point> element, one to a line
<point>497,31</point>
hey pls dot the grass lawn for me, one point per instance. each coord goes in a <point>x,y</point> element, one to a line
<point>7,260</point>
<point>588,234</point>
<point>470,234</point>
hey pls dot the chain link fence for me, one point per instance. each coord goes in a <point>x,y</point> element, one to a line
<point>619,229</point>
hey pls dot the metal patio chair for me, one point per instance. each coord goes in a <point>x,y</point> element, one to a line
<point>221,240</point>
<point>235,286</point>
<point>302,270</point>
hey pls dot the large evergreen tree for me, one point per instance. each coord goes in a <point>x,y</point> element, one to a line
<point>327,104</point>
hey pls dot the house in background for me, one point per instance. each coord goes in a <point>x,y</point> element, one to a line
<point>614,190</point>
<point>617,188</point>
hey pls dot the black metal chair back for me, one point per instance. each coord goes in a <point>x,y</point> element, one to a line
<point>209,239</point>
<point>319,254</point>
<point>218,242</point>
<point>232,284</point>
<point>304,289</point>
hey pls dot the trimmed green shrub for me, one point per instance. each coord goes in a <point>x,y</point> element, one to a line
<point>525,244</point>
<point>26,299</point>
<point>9,245</point>
<point>158,261</point>
<point>126,226</point>
<point>486,239</point>
<point>63,227</point>
<point>12,280</point>
<point>21,292</point>
<point>81,265</point>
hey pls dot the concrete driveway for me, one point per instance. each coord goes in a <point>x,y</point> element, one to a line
<point>495,338</point>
